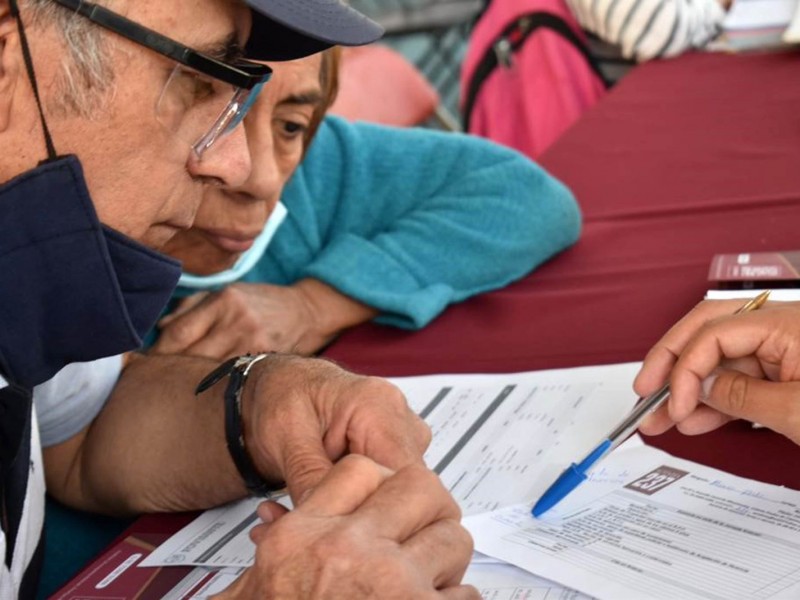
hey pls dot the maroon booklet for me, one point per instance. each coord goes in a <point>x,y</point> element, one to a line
<point>758,270</point>
<point>115,574</point>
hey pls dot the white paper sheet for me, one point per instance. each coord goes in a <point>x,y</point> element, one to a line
<point>202,583</point>
<point>497,440</point>
<point>217,538</point>
<point>502,439</point>
<point>667,528</point>
<point>792,33</point>
<point>506,582</point>
<point>495,581</point>
<point>759,14</point>
<point>777,295</point>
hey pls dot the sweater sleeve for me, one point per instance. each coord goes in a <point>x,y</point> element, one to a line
<point>647,29</point>
<point>410,220</point>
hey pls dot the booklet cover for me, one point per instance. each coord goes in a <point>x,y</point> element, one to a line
<point>756,270</point>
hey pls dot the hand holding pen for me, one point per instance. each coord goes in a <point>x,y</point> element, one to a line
<point>577,473</point>
<point>744,367</point>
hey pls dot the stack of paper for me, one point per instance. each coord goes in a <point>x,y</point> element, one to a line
<point>758,24</point>
<point>644,526</point>
<point>498,440</point>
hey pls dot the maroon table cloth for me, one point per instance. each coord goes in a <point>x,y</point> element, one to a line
<point>682,160</point>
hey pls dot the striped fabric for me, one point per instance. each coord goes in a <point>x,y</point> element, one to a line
<point>646,29</point>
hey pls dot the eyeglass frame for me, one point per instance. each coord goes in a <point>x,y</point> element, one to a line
<point>243,74</point>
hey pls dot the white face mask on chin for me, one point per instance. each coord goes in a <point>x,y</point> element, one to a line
<point>245,262</point>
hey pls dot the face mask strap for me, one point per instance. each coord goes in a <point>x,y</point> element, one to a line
<point>26,54</point>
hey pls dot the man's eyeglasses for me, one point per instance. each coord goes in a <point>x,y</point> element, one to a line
<point>204,98</point>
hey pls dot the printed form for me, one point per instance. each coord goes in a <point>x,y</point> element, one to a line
<point>503,439</point>
<point>657,527</point>
<point>493,581</point>
<point>497,440</point>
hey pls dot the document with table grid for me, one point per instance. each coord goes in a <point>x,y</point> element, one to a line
<point>644,526</point>
<point>657,527</point>
<point>503,439</point>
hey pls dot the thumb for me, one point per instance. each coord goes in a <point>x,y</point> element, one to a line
<point>305,462</point>
<point>770,403</point>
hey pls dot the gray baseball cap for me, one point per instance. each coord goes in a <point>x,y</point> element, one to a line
<point>289,29</point>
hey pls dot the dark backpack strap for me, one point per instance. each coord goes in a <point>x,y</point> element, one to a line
<point>518,35</point>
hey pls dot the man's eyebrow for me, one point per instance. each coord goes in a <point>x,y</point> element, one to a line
<point>313,97</point>
<point>226,50</point>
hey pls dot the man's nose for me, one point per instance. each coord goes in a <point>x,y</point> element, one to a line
<point>227,163</point>
<point>266,182</point>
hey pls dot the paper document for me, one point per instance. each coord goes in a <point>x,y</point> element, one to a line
<point>777,295</point>
<point>494,581</point>
<point>506,582</point>
<point>759,14</point>
<point>497,440</point>
<point>202,583</point>
<point>657,527</point>
<point>217,538</point>
<point>792,33</point>
<point>503,439</point>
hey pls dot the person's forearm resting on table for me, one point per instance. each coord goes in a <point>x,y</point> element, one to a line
<point>157,447</point>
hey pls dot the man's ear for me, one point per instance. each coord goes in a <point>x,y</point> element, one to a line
<point>10,62</point>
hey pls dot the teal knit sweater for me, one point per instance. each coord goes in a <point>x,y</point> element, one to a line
<point>410,220</point>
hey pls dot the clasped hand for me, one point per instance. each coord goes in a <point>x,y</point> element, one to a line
<point>370,519</point>
<point>363,532</point>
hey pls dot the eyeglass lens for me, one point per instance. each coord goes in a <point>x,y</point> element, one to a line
<point>199,109</point>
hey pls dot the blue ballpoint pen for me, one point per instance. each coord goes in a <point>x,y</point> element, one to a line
<point>576,473</point>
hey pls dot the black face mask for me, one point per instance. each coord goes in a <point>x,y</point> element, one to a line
<point>71,289</point>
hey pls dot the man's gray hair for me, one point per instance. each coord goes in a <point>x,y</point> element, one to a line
<point>87,74</point>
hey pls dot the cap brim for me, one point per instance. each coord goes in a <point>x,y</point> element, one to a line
<point>289,29</point>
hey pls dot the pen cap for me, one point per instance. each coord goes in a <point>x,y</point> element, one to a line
<point>567,481</point>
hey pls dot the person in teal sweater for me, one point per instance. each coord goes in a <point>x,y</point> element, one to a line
<point>379,223</point>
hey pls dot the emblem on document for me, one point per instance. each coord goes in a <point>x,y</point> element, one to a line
<point>655,480</point>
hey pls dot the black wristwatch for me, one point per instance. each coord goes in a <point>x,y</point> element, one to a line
<point>237,369</point>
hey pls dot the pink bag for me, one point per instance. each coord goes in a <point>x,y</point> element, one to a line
<point>527,75</point>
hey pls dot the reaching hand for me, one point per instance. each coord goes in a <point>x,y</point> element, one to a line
<point>723,366</point>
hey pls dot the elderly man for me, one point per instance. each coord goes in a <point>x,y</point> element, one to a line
<point>135,106</point>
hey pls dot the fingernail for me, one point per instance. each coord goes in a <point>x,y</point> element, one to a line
<point>304,496</point>
<point>708,383</point>
<point>264,513</point>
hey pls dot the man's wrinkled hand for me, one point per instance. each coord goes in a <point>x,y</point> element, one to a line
<point>301,415</point>
<point>363,532</point>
